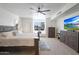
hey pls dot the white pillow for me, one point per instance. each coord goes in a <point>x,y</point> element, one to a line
<point>5,34</point>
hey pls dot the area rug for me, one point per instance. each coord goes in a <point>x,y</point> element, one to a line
<point>43,46</point>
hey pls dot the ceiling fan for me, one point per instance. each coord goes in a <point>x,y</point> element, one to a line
<point>40,11</point>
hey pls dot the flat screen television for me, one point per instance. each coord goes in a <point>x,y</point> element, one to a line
<point>72,23</point>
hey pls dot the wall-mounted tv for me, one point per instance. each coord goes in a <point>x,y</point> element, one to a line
<point>72,23</point>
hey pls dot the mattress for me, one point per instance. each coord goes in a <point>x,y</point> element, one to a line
<point>19,40</point>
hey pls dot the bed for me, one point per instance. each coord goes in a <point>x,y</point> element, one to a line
<point>20,42</point>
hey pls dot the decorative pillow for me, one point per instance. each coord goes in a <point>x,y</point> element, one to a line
<point>2,35</point>
<point>6,34</point>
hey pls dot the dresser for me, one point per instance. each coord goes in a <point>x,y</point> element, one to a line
<point>71,39</point>
<point>51,32</point>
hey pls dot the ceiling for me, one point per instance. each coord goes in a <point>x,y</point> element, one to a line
<point>23,9</point>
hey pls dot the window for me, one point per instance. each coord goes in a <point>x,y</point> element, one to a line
<point>39,22</point>
<point>39,26</point>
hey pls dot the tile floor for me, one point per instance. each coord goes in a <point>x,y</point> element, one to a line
<point>56,48</point>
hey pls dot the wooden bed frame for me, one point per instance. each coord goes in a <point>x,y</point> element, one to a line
<point>14,49</point>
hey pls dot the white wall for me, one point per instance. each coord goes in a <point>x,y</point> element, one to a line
<point>70,13</point>
<point>47,25</point>
<point>26,25</point>
<point>50,23</point>
<point>7,18</point>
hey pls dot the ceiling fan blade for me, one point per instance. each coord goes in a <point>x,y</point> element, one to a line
<point>32,9</point>
<point>42,13</point>
<point>45,11</point>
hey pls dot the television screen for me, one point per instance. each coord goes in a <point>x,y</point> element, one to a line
<point>72,23</point>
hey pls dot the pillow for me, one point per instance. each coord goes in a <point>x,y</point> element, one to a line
<point>2,35</point>
<point>6,34</point>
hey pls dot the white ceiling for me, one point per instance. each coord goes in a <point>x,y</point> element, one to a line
<point>23,9</point>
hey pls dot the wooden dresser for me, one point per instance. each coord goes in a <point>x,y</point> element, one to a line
<point>51,32</point>
<point>71,39</point>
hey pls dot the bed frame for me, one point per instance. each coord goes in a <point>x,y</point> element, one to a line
<point>14,49</point>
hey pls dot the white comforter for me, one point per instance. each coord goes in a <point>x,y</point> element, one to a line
<point>26,39</point>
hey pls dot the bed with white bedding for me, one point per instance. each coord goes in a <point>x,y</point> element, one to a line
<point>23,41</point>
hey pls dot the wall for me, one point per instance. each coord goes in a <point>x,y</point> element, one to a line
<point>47,25</point>
<point>7,18</point>
<point>50,23</point>
<point>25,25</point>
<point>70,13</point>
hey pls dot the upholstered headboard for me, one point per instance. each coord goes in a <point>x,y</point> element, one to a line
<point>7,28</point>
